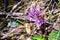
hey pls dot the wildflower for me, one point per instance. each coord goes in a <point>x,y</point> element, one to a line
<point>37,15</point>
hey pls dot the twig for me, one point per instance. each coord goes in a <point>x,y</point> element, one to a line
<point>47,6</point>
<point>6,35</point>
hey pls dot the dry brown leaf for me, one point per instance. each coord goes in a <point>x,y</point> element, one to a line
<point>22,37</point>
<point>28,29</point>
<point>21,26</point>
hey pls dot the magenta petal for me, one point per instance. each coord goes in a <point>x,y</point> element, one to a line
<point>33,7</point>
<point>37,12</point>
<point>26,11</point>
<point>31,15</point>
<point>31,19</point>
<point>38,22</point>
<point>43,20</point>
<point>42,13</point>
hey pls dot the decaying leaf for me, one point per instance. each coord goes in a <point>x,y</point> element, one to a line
<point>21,26</point>
<point>22,37</point>
<point>28,29</point>
<point>29,38</point>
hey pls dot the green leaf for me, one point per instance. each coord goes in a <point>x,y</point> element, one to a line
<point>37,37</point>
<point>59,1</point>
<point>54,35</point>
